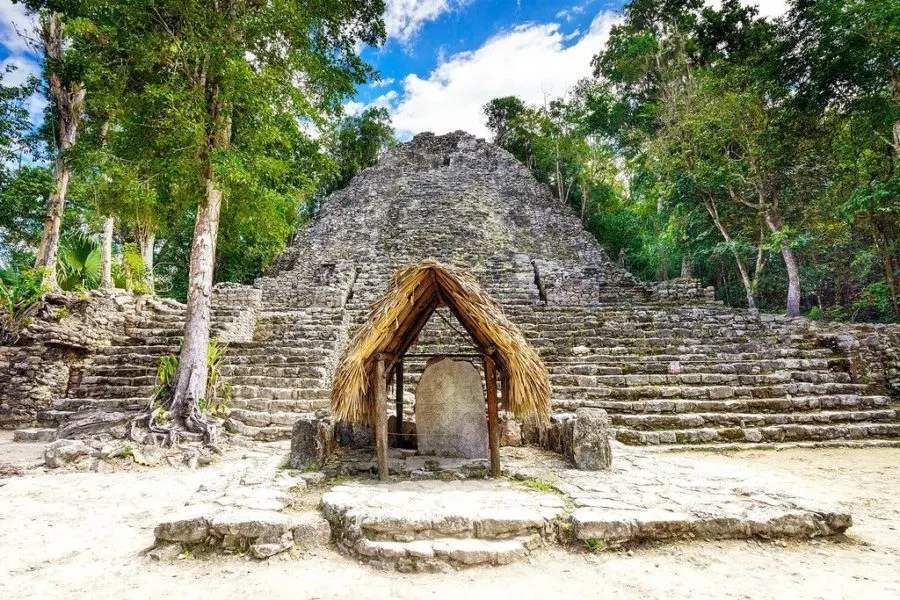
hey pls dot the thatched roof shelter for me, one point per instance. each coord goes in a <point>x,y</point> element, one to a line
<point>397,318</point>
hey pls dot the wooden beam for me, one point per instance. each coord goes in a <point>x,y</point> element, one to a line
<point>398,399</point>
<point>493,414</point>
<point>381,437</point>
<point>410,335</point>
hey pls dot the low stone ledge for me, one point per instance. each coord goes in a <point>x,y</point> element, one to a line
<point>262,533</point>
<point>616,528</point>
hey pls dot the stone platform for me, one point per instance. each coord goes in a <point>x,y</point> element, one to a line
<point>418,525</point>
<point>646,497</point>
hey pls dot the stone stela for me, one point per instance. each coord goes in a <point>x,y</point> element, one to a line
<point>450,410</point>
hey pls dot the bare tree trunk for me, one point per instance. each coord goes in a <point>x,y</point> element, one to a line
<point>146,239</point>
<point>106,253</point>
<point>687,267</point>
<point>749,288</point>
<point>790,264</point>
<point>69,100</point>
<point>190,381</point>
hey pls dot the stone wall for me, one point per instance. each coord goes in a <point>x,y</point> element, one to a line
<point>873,351</point>
<point>54,348</point>
<point>236,308</point>
<point>682,290</point>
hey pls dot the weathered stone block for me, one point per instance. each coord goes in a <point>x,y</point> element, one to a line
<point>310,530</point>
<point>190,525</point>
<point>64,452</point>
<point>312,442</point>
<point>589,448</point>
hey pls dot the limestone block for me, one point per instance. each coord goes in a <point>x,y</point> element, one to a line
<point>190,525</point>
<point>510,433</point>
<point>590,449</point>
<point>64,452</point>
<point>312,442</point>
<point>310,530</point>
<point>451,418</point>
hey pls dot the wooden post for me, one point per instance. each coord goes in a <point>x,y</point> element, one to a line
<point>398,399</point>
<point>493,416</point>
<point>381,451</point>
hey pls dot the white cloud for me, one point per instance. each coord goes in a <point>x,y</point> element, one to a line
<point>353,108</point>
<point>15,23</point>
<point>385,100</point>
<point>15,20</point>
<point>383,82</point>
<point>404,18</point>
<point>532,61</point>
<point>767,8</point>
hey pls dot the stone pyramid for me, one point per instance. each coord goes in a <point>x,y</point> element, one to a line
<point>669,363</point>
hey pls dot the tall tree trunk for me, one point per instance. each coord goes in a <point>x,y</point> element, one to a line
<point>69,100</point>
<point>146,238</point>
<point>790,264</point>
<point>190,381</point>
<point>749,288</point>
<point>884,245</point>
<point>106,253</point>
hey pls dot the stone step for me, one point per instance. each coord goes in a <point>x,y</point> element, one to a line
<point>272,433</point>
<point>711,392</point>
<point>774,433</point>
<point>733,446</point>
<point>266,419</point>
<point>733,405</point>
<point>421,555</point>
<point>655,422</point>
<point>34,435</point>
<point>260,406</point>
<point>114,391</point>
<point>96,403</point>
<point>698,378</point>
<point>708,366</point>
<point>279,393</point>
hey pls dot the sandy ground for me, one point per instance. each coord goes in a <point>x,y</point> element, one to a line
<point>82,535</point>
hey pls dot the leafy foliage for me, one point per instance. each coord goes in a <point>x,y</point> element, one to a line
<point>20,298</point>
<point>78,266</point>
<point>217,393</point>
<point>760,155</point>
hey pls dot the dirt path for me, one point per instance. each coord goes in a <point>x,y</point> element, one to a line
<point>80,535</point>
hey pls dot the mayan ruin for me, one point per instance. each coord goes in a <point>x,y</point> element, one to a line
<point>403,299</point>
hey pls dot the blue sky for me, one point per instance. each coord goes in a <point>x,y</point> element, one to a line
<point>444,59</point>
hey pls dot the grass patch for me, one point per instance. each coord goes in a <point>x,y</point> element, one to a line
<point>595,545</point>
<point>542,486</point>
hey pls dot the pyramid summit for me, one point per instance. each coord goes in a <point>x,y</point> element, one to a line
<point>669,363</point>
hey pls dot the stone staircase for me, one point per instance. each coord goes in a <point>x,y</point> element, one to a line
<point>671,366</point>
<point>691,375</point>
<point>433,525</point>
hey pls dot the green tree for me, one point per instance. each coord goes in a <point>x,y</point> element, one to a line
<point>66,92</point>
<point>222,88</point>
<point>357,142</point>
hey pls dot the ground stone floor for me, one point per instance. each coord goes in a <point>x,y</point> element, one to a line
<point>80,535</point>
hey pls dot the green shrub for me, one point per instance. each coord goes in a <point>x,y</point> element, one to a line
<point>20,299</point>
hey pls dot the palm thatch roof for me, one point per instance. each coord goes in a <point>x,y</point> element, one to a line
<point>395,321</point>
